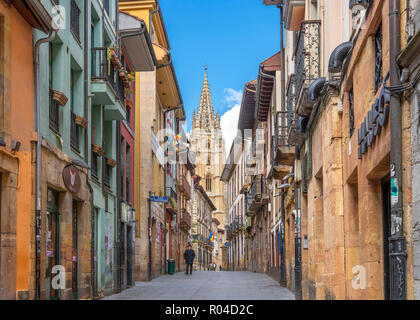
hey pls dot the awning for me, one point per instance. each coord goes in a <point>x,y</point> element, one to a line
<point>266,85</point>
<point>167,82</point>
<point>247,113</point>
<point>136,43</point>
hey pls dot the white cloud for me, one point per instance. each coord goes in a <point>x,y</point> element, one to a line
<point>229,120</point>
<point>233,97</point>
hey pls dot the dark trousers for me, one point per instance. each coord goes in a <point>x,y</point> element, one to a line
<point>190,267</point>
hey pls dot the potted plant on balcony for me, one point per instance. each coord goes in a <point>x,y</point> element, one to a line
<point>112,57</point>
<point>80,121</point>
<point>59,97</point>
<point>98,150</point>
<point>111,162</point>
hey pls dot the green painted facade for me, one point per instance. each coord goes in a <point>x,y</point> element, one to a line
<point>62,68</point>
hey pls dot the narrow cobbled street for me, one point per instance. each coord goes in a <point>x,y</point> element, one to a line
<point>207,286</point>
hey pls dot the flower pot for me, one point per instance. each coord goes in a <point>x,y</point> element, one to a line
<point>80,121</point>
<point>98,150</point>
<point>111,162</point>
<point>59,97</point>
<point>115,60</point>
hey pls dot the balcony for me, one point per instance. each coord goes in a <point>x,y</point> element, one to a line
<point>258,195</point>
<point>307,63</point>
<point>294,13</point>
<point>185,188</point>
<point>185,219</point>
<point>282,153</point>
<point>107,85</point>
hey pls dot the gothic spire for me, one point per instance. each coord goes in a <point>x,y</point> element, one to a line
<point>205,115</point>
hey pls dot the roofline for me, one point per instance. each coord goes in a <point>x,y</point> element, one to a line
<point>206,196</point>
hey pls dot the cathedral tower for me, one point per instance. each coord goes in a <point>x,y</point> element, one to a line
<point>208,144</point>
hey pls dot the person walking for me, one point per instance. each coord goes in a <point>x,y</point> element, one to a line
<point>189,256</point>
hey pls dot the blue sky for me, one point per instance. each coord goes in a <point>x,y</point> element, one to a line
<point>231,36</point>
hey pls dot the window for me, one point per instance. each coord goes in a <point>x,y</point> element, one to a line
<point>122,161</point>
<point>75,19</point>
<point>351,112</point>
<point>378,58</point>
<point>106,6</point>
<point>74,130</point>
<point>127,172</point>
<point>54,115</point>
<point>208,184</point>
<point>94,168</point>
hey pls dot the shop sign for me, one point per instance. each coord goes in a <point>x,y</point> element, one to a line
<point>71,178</point>
<point>373,123</point>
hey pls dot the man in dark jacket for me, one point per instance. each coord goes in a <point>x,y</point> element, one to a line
<point>189,256</point>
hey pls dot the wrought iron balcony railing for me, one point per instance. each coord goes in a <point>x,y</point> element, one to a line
<point>102,69</point>
<point>307,57</point>
<point>258,195</point>
<point>185,219</point>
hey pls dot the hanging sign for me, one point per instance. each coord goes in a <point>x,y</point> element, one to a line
<point>71,178</point>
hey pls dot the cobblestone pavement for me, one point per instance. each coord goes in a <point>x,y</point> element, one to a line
<point>203,285</point>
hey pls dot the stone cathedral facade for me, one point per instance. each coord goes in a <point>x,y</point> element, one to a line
<point>207,142</point>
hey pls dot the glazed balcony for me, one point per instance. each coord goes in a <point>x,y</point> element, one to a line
<point>107,84</point>
<point>307,63</point>
<point>185,219</point>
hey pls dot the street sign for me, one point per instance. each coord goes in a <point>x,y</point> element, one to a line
<point>227,244</point>
<point>159,199</point>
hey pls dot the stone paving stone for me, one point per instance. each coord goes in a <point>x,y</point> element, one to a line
<point>207,286</point>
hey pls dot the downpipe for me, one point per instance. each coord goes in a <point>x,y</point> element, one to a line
<point>397,241</point>
<point>48,39</point>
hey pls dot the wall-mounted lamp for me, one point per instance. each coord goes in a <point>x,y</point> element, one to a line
<point>15,146</point>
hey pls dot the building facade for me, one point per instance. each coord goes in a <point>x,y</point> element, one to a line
<point>17,145</point>
<point>157,100</point>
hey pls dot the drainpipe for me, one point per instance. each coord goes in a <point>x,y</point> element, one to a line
<point>283,280</point>
<point>397,241</point>
<point>86,116</point>
<point>298,250</point>
<point>149,265</point>
<point>48,39</point>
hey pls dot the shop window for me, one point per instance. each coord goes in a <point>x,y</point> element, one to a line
<point>378,58</point>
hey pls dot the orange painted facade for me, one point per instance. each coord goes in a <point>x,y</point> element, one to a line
<point>17,124</point>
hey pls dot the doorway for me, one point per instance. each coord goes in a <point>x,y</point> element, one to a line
<point>74,281</point>
<point>386,227</point>
<point>52,245</point>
